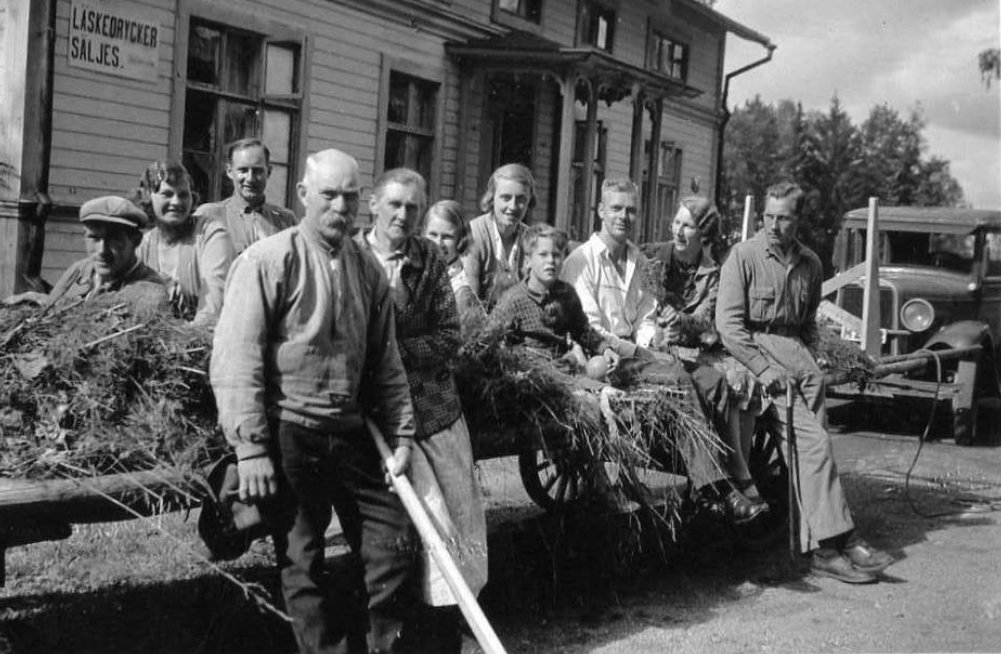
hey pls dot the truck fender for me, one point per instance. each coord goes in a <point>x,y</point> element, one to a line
<point>962,333</point>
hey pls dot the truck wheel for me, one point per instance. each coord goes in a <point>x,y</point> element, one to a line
<point>964,425</point>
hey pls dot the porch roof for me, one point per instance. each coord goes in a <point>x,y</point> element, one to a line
<point>519,51</point>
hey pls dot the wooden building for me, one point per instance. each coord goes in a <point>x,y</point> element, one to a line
<point>91,91</point>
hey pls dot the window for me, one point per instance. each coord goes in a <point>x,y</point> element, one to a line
<point>656,225</point>
<point>530,10</point>
<point>668,56</point>
<point>409,123</point>
<point>239,84</point>
<point>597,25</point>
<point>584,219</point>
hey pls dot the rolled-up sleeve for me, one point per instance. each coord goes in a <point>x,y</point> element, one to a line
<point>239,355</point>
<point>731,314</point>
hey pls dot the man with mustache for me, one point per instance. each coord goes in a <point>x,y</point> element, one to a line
<point>608,273</point>
<point>246,215</point>
<point>770,288</point>
<point>305,345</point>
<point>111,231</point>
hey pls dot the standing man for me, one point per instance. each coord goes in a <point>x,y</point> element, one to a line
<point>246,215</point>
<point>305,345</point>
<point>770,288</point>
<point>608,273</point>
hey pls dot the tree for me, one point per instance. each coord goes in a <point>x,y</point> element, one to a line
<point>839,165</point>
<point>989,61</point>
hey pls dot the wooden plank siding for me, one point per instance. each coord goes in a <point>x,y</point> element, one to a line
<point>106,129</point>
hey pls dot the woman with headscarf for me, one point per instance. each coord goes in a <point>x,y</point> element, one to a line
<point>192,251</point>
<point>687,270</point>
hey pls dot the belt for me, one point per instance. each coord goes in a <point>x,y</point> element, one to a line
<point>791,331</point>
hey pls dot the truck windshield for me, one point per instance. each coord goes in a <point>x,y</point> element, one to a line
<point>948,251</point>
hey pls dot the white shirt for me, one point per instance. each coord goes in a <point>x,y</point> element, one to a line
<point>617,306</point>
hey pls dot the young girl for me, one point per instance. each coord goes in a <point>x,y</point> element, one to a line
<point>445,227</point>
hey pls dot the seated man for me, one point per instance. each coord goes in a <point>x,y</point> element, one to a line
<point>767,305</point>
<point>112,231</point>
<point>607,272</point>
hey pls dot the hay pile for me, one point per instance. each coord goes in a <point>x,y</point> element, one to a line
<point>510,388</point>
<point>93,390</point>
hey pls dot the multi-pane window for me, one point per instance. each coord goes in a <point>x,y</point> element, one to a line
<point>530,10</point>
<point>239,85</point>
<point>583,220</point>
<point>656,223</point>
<point>410,123</point>
<point>668,56</point>
<point>597,25</point>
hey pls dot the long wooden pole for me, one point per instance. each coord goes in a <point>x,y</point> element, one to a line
<point>484,633</point>
<point>792,466</point>
<point>747,229</point>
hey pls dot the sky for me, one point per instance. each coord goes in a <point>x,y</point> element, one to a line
<point>903,53</point>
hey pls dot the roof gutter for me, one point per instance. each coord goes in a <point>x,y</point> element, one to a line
<point>725,118</point>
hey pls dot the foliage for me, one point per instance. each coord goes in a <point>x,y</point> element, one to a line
<point>838,163</point>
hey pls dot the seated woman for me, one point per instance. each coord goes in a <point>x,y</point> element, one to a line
<point>688,283</point>
<point>547,313</point>
<point>495,260</point>
<point>192,252</point>
<point>445,227</point>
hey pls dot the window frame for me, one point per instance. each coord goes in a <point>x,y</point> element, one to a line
<point>270,33</point>
<point>657,34</point>
<point>388,65</point>
<point>584,13</point>
<point>517,21</point>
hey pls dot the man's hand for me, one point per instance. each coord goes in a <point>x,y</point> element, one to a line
<point>612,358</point>
<point>400,461</point>
<point>644,354</point>
<point>257,479</point>
<point>774,380</point>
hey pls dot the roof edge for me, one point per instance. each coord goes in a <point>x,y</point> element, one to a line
<point>730,24</point>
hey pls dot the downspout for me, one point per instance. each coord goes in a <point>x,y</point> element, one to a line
<point>35,203</point>
<point>726,116</point>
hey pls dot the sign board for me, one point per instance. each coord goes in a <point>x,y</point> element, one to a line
<point>113,38</point>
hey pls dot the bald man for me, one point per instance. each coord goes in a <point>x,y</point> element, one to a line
<point>304,346</point>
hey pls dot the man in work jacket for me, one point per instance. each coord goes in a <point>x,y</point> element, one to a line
<point>770,288</point>
<point>306,344</point>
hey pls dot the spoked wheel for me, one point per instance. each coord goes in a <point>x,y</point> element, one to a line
<point>771,476</point>
<point>549,479</point>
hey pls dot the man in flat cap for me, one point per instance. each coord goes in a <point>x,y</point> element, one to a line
<point>111,231</point>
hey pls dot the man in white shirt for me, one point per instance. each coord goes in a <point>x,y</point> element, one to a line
<point>607,272</point>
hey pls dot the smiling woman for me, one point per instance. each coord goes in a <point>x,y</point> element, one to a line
<point>193,252</point>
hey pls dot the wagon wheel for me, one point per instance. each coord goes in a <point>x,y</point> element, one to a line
<point>550,480</point>
<point>767,465</point>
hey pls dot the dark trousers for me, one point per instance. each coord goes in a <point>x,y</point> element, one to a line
<point>709,394</point>
<point>343,470</point>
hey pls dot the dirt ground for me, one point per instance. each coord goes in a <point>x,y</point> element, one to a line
<point>128,587</point>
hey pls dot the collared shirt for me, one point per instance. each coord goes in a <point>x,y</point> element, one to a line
<point>545,320</point>
<point>617,305</point>
<point>427,329</point>
<point>766,299</point>
<point>197,263</point>
<point>141,287</point>
<point>246,224</point>
<point>489,271</point>
<point>392,263</point>
<point>302,340</point>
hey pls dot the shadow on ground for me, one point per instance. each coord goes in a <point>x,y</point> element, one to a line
<point>559,583</point>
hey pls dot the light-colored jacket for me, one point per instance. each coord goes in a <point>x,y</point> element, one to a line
<point>247,225</point>
<point>203,256</point>
<point>619,308</point>
<point>307,337</point>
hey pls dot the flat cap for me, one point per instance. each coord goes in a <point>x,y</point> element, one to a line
<point>112,209</point>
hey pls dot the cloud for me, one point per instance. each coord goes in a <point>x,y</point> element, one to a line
<point>903,53</point>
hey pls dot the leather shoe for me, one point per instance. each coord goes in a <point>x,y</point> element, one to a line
<point>865,557</point>
<point>828,562</point>
<point>741,509</point>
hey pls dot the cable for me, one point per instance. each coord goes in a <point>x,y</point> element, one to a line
<point>974,505</point>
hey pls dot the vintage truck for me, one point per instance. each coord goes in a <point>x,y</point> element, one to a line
<point>939,290</point>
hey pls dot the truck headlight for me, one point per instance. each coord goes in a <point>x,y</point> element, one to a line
<point>917,315</point>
